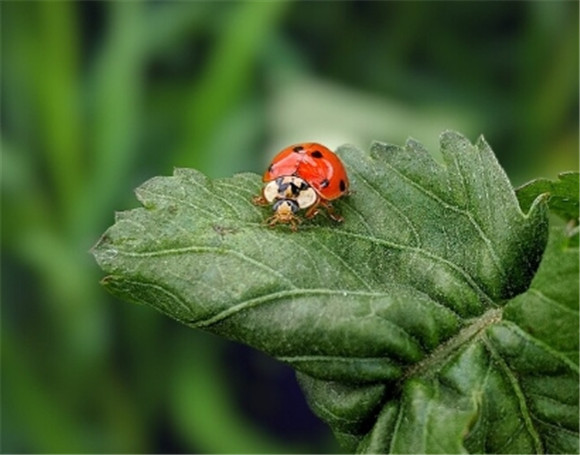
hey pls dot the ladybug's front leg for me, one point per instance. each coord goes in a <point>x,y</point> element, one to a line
<point>260,200</point>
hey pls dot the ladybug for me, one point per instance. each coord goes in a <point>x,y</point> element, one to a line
<point>302,176</point>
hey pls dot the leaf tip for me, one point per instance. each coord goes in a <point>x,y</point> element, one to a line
<point>101,242</point>
<point>539,207</point>
<point>378,148</point>
<point>187,172</point>
<point>449,136</point>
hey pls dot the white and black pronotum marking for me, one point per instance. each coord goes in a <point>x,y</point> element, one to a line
<point>289,193</point>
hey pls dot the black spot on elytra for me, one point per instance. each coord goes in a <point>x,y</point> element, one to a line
<point>324,183</point>
<point>298,149</point>
<point>316,154</point>
<point>270,168</point>
<point>342,185</point>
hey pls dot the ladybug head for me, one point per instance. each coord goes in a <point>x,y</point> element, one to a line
<point>285,209</point>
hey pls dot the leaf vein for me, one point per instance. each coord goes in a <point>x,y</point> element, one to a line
<point>484,237</point>
<point>328,358</point>
<point>401,215</point>
<point>426,253</point>
<point>180,201</point>
<point>344,263</point>
<point>314,264</point>
<point>163,289</point>
<point>554,426</point>
<point>207,249</point>
<point>215,195</point>
<point>518,331</point>
<point>279,295</point>
<point>237,188</point>
<point>551,301</point>
<point>361,217</point>
<point>553,400</point>
<point>516,387</point>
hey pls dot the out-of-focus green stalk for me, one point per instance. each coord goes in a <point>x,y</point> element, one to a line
<point>542,98</point>
<point>204,411</point>
<point>225,78</point>
<point>549,106</point>
<point>170,23</point>
<point>44,420</point>
<point>22,195</point>
<point>116,91</point>
<point>58,89</point>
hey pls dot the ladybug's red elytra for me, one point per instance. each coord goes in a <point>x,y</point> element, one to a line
<point>302,176</point>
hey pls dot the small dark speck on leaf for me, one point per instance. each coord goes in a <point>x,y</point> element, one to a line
<point>223,231</point>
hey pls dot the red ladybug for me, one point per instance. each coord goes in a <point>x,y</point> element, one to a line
<point>303,176</point>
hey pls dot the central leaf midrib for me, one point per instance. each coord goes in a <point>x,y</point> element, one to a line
<point>442,353</point>
<point>377,241</point>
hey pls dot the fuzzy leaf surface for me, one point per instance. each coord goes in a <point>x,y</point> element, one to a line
<point>394,320</point>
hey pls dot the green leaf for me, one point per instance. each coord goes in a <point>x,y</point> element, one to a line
<point>396,320</point>
<point>563,194</point>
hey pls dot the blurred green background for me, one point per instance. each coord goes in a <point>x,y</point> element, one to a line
<point>99,96</point>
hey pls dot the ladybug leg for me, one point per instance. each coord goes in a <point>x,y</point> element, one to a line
<point>312,211</point>
<point>259,200</point>
<point>275,219</point>
<point>330,210</point>
<point>294,222</point>
<point>332,214</point>
<point>272,221</point>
